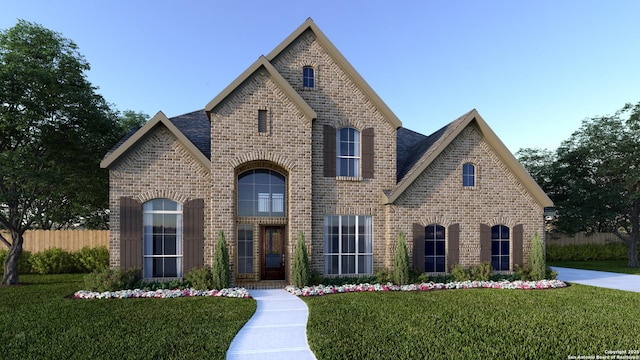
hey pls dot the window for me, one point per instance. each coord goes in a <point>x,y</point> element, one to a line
<point>262,121</point>
<point>500,248</point>
<point>162,239</point>
<point>245,249</point>
<point>348,148</point>
<point>468,175</point>
<point>347,245</point>
<point>434,251</point>
<point>308,77</point>
<point>261,192</point>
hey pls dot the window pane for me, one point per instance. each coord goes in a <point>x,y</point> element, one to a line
<point>170,267</point>
<point>261,192</point>
<point>505,263</point>
<point>495,247</point>
<point>504,232</point>
<point>157,244</point>
<point>495,232</point>
<point>277,203</point>
<point>170,245</point>
<point>429,248</point>
<point>440,233</point>
<point>439,247</point>
<point>504,248</point>
<point>348,264</point>
<point>158,267</point>
<point>429,232</point>
<point>440,264</point>
<point>495,262</point>
<point>429,264</point>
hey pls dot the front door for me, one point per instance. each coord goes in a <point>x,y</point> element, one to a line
<point>272,252</point>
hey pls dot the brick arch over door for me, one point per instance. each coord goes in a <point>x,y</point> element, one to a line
<point>131,233</point>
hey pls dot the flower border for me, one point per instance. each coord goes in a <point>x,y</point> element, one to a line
<point>162,294</point>
<point>320,290</point>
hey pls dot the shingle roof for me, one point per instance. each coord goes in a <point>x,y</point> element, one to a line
<point>197,128</point>
<point>410,146</point>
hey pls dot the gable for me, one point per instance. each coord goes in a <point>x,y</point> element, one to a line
<point>341,61</point>
<point>194,125</point>
<point>426,150</point>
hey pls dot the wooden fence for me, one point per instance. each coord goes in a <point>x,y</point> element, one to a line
<point>71,240</point>
<point>581,238</point>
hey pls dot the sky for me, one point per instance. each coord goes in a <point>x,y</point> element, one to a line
<point>533,69</point>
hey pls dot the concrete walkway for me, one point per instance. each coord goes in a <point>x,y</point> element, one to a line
<point>599,278</point>
<point>277,330</point>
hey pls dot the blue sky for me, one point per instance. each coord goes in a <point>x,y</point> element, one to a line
<point>533,69</point>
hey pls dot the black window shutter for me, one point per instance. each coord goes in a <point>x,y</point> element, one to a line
<point>329,151</point>
<point>485,243</point>
<point>130,233</point>
<point>418,247</point>
<point>367,153</point>
<point>517,244</point>
<point>193,234</point>
<point>453,238</point>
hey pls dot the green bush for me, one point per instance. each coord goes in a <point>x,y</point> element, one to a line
<point>89,259</point>
<point>401,262</point>
<point>53,261</point>
<point>24,263</point>
<point>301,275</point>
<point>221,272</point>
<point>587,252</point>
<point>459,273</point>
<point>536,258</point>
<point>481,272</point>
<point>108,279</point>
<point>200,278</point>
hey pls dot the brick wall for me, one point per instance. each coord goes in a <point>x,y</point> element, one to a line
<point>157,167</point>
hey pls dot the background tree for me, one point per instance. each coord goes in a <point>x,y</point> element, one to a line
<point>594,177</point>
<point>54,129</point>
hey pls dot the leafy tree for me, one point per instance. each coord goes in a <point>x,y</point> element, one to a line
<point>301,274</point>
<point>54,129</point>
<point>594,177</point>
<point>130,120</point>
<point>221,271</point>
<point>401,262</point>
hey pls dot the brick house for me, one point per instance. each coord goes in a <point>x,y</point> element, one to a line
<point>300,142</point>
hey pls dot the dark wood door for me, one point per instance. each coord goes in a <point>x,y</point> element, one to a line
<point>272,252</point>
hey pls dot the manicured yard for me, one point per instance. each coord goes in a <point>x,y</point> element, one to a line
<point>38,322</point>
<point>474,324</point>
<point>618,266</point>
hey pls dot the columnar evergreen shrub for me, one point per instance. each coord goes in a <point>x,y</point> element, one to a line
<point>536,258</point>
<point>401,262</point>
<point>301,274</point>
<point>221,272</point>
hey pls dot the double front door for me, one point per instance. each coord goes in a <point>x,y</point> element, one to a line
<point>272,240</point>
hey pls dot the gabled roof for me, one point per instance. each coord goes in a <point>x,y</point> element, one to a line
<point>192,130</point>
<point>342,62</point>
<point>262,62</point>
<point>414,157</point>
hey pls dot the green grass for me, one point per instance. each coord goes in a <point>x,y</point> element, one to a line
<point>37,322</point>
<point>473,324</point>
<point>617,266</point>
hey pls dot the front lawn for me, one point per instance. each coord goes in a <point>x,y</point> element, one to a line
<point>474,324</point>
<point>38,322</point>
<point>617,266</point>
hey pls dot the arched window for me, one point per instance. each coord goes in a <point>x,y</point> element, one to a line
<point>348,150</point>
<point>162,239</point>
<point>308,77</point>
<point>261,192</point>
<point>434,251</point>
<point>468,175</point>
<point>500,248</point>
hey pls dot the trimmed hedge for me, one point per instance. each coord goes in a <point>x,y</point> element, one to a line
<point>587,252</point>
<point>60,261</point>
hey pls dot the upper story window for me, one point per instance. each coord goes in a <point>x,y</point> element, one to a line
<point>348,149</point>
<point>262,121</point>
<point>162,238</point>
<point>468,175</point>
<point>308,77</point>
<point>261,192</point>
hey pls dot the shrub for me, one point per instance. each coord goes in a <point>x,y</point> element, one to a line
<point>586,252</point>
<point>401,262</point>
<point>53,261</point>
<point>481,272</point>
<point>24,263</point>
<point>536,258</point>
<point>221,273</point>
<point>301,275</point>
<point>89,259</point>
<point>108,279</point>
<point>382,276</point>
<point>200,278</point>
<point>459,273</point>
